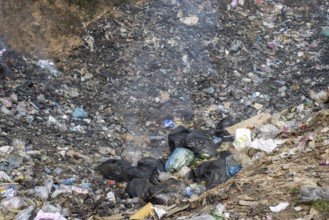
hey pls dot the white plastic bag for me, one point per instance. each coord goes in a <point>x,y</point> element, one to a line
<point>13,203</point>
<point>280,207</point>
<point>24,214</point>
<point>242,138</point>
<point>267,145</point>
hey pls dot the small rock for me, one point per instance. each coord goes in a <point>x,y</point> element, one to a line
<point>104,150</point>
<point>285,166</point>
<point>192,20</point>
<point>209,90</point>
<point>14,97</point>
<point>313,211</point>
<point>247,80</point>
<point>5,111</point>
<point>148,123</point>
<point>236,73</point>
<point>258,106</point>
<point>235,46</point>
<point>241,2</point>
<point>87,76</point>
<point>320,97</point>
<point>319,217</point>
<point>180,14</point>
<point>183,171</point>
<point>282,89</point>
<point>300,108</point>
<point>251,75</point>
<point>298,208</point>
<point>41,98</point>
<point>325,130</point>
<point>307,80</point>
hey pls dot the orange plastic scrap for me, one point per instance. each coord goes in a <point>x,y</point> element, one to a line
<point>303,125</point>
<point>144,212</point>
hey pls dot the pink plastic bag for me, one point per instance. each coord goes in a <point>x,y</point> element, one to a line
<point>48,215</point>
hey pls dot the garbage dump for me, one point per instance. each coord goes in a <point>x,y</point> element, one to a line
<point>144,179</point>
<point>170,110</point>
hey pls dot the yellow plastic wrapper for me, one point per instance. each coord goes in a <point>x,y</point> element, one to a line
<point>144,212</point>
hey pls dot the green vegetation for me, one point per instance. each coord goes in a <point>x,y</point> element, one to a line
<point>295,194</point>
<point>322,206</point>
<point>295,191</point>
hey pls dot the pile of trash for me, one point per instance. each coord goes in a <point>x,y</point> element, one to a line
<point>170,106</point>
<point>288,183</point>
<point>200,160</point>
<point>151,180</point>
<point>191,170</point>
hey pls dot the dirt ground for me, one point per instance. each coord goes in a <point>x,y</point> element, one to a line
<point>46,28</point>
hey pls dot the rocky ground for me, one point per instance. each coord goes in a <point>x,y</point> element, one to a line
<point>192,62</point>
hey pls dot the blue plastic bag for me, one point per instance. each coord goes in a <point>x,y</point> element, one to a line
<point>79,113</point>
<point>168,123</point>
<point>232,167</point>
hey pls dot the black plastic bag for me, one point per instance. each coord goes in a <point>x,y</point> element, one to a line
<point>142,188</point>
<point>224,135</point>
<point>224,123</point>
<point>177,137</point>
<point>220,128</point>
<point>114,169</point>
<point>227,122</point>
<point>201,144</point>
<point>214,172</point>
<point>147,168</point>
<point>139,187</point>
<point>151,162</point>
<point>149,173</point>
<point>156,194</point>
<point>121,170</point>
